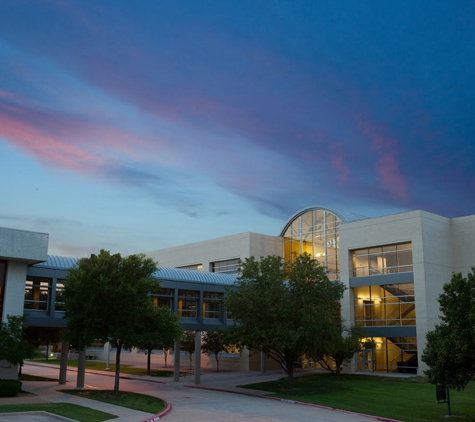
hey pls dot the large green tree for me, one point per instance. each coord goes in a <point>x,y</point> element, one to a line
<point>450,347</point>
<point>107,297</point>
<point>14,347</point>
<point>159,331</point>
<point>280,308</point>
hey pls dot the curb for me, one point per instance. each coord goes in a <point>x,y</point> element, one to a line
<point>318,406</point>
<point>158,415</point>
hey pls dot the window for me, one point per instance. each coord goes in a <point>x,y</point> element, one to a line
<point>212,305</point>
<point>391,304</point>
<point>391,354</point>
<point>196,267</point>
<point>225,266</point>
<point>3,271</point>
<point>37,293</point>
<point>59,301</point>
<point>317,233</point>
<point>187,303</point>
<point>379,260</point>
<point>163,298</point>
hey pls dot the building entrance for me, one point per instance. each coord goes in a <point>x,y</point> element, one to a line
<point>364,361</point>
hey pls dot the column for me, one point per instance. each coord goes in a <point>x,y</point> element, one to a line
<point>81,369</point>
<point>198,357</point>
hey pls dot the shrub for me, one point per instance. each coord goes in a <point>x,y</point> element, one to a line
<point>9,388</point>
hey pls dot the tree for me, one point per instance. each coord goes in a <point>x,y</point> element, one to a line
<point>339,346</point>
<point>46,336</point>
<point>14,347</point>
<point>216,343</point>
<point>107,297</point>
<point>450,347</point>
<point>188,344</point>
<point>160,329</point>
<point>280,308</point>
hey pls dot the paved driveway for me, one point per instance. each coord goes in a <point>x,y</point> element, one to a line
<point>191,404</point>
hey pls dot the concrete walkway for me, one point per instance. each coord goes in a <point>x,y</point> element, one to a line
<point>215,399</point>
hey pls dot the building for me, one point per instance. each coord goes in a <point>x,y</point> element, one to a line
<point>393,266</point>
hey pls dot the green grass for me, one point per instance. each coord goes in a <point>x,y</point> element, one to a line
<point>127,399</point>
<point>72,411</point>
<point>406,399</point>
<point>124,369</point>
<point>27,377</point>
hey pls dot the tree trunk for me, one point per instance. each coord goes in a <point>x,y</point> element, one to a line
<point>148,361</point>
<point>165,356</point>
<point>289,363</point>
<point>47,351</point>
<point>118,345</point>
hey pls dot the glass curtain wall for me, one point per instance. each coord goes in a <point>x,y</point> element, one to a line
<point>385,305</point>
<point>388,259</point>
<point>392,354</point>
<point>3,271</point>
<point>317,233</point>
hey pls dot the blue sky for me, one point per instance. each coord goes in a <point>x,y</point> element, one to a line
<point>139,125</point>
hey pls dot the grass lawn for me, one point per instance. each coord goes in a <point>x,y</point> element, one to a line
<point>72,411</point>
<point>26,377</point>
<point>406,399</point>
<point>127,399</point>
<point>124,369</point>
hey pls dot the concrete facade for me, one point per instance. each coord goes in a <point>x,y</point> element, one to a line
<point>18,249</point>
<point>238,246</point>
<point>438,246</point>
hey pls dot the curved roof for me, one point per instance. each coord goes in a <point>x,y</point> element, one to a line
<point>164,273</point>
<point>344,216</point>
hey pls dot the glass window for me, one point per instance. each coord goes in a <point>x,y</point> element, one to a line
<point>59,300</point>
<point>187,303</point>
<point>385,305</point>
<point>196,267</point>
<point>37,293</point>
<point>388,259</point>
<point>212,304</point>
<point>225,266</point>
<point>163,298</point>
<point>315,232</point>
<point>3,271</point>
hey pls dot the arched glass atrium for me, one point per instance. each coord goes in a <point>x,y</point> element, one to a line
<point>315,230</point>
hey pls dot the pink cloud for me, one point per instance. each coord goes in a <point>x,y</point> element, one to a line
<point>387,164</point>
<point>45,146</point>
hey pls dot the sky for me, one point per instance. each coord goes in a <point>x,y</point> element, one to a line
<point>138,125</point>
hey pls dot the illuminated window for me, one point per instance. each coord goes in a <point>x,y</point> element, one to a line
<point>37,293</point>
<point>163,298</point>
<point>212,305</point>
<point>387,305</point>
<point>187,303</point>
<point>379,260</point>
<point>317,233</point>
<point>59,301</point>
<point>196,267</point>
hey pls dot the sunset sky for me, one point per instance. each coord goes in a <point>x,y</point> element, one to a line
<point>138,125</point>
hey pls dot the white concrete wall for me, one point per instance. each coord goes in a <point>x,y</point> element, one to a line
<point>463,241</point>
<point>19,248</point>
<point>433,259</point>
<point>241,246</point>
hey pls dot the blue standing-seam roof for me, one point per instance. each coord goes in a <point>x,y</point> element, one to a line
<point>164,273</point>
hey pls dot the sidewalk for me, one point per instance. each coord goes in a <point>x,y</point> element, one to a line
<point>210,401</point>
